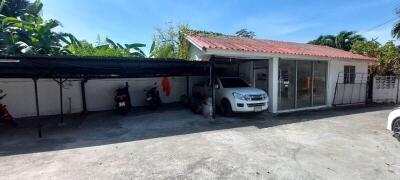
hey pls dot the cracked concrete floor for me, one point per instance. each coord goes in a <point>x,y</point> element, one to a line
<point>344,143</point>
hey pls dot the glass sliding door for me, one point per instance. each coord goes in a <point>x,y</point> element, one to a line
<point>287,84</point>
<point>301,84</point>
<point>319,89</point>
<point>304,84</point>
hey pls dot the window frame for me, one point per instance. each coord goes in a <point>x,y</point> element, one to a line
<point>349,74</point>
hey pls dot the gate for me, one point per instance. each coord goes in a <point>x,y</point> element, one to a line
<point>351,89</point>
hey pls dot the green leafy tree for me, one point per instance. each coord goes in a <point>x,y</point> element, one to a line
<point>367,48</point>
<point>387,55</point>
<point>167,42</point>
<point>171,42</point>
<point>245,33</point>
<point>343,40</point>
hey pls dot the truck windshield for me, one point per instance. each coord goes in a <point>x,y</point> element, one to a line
<point>233,82</point>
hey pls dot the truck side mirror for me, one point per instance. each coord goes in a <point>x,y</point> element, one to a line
<point>216,86</point>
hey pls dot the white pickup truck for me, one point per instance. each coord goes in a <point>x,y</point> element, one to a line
<point>232,94</point>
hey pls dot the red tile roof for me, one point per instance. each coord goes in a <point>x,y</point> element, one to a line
<point>270,46</point>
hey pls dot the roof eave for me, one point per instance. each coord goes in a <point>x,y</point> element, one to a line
<point>194,43</point>
<point>217,51</point>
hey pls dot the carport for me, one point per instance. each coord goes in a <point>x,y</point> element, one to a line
<point>84,69</point>
<point>254,71</point>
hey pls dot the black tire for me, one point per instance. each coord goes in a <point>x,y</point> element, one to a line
<point>226,108</point>
<point>396,128</point>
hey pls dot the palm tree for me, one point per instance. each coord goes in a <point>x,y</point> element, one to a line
<point>396,27</point>
<point>343,40</point>
<point>325,40</point>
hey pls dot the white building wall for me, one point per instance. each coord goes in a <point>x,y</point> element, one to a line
<point>195,53</point>
<point>20,99</point>
<point>335,67</point>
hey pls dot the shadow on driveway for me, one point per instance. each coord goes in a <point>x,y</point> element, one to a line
<point>102,128</point>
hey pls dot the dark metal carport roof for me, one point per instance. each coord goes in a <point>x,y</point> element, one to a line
<point>95,67</point>
<point>61,68</point>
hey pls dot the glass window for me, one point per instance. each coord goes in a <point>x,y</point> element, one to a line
<point>319,83</point>
<point>349,74</point>
<point>301,84</point>
<point>304,84</point>
<point>287,83</point>
<point>233,82</point>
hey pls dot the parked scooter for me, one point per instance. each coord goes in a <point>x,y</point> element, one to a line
<point>153,97</point>
<point>5,116</point>
<point>123,100</point>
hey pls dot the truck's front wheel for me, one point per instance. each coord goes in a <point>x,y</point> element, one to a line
<point>226,108</point>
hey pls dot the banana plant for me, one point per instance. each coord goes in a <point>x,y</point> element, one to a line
<point>133,49</point>
<point>29,34</point>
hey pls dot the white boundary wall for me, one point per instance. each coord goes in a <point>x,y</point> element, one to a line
<point>385,89</point>
<point>20,99</point>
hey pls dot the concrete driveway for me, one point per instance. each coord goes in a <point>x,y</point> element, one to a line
<point>344,143</point>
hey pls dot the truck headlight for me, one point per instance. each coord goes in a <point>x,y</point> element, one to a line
<point>242,97</point>
<point>265,96</point>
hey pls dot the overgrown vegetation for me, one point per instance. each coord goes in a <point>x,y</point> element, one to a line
<point>170,42</point>
<point>107,48</point>
<point>24,31</point>
<point>387,55</point>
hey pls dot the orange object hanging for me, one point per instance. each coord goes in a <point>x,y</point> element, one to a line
<point>166,86</point>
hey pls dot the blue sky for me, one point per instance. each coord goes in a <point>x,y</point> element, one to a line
<point>130,21</point>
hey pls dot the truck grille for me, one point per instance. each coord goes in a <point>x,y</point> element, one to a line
<point>256,97</point>
<point>255,104</point>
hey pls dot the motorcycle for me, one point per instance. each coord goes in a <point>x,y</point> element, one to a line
<point>123,99</point>
<point>153,97</point>
<point>5,116</point>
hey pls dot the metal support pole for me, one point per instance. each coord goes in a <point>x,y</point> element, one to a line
<point>352,89</point>
<point>336,89</point>
<point>187,86</point>
<point>61,103</point>
<point>213,88</point>
<point>397,90</point>
<point>39,125</point>
<point>83,92</point>
<point>312,83</point>
<point>344,86</point>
